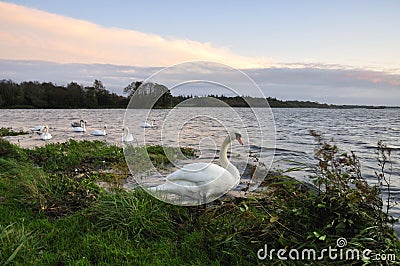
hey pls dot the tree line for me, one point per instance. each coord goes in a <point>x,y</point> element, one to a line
<point>33,94</point>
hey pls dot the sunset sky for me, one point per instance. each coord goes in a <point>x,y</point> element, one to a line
<point>342,52</point>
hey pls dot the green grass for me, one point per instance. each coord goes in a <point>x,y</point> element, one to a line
<point>54,213</point>
<point>9,132</point>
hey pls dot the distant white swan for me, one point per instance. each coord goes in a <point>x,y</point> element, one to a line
<point>126,136</point>
<point>46,135</point>
<point>77,124</point>
<point>201,180</point>
<point>147,125</point>
<point>81,128</point>
<point>37,128</point>
<point>100,132</point>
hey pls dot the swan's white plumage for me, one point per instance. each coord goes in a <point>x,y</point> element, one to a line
<point>100,132</point>
<point>126,136</point>
<point>37,128</point>
<point>46,135</point>
<point>147,125</point>
<point>198,173</point>
<point>82,127</point>
<point>202,180</point>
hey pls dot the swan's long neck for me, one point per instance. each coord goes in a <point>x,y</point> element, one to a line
<point>223,157</point>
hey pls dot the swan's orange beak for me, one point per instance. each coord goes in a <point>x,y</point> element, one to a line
<point>239,139</point>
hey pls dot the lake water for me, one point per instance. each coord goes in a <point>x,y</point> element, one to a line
<point>284,130</point>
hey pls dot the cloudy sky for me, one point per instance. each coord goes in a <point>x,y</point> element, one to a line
<point>342,52</point>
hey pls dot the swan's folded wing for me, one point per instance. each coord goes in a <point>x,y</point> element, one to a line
<point>197,174</point>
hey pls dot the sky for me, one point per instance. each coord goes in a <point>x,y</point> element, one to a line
<point>340,52</point>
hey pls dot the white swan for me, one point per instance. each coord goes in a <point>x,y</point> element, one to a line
<point>202,180</point>
<point>37,128</point>
<point>82,127</point>
<point>100,132</point>
<point>147,125</point>
<point>126,136</point>
<point>77,124</point>
<point>46,135</point>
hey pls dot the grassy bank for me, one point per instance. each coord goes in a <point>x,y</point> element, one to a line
<point>54,213</point>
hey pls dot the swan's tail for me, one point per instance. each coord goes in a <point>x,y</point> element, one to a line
<point>166,187</point>
<point>157,188</point>
<point>188,195</point>
<point>183,188</point>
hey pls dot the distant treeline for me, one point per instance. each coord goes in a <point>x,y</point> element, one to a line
<point>32,94</point>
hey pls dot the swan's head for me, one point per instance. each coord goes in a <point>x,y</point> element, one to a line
<point>236,135</point>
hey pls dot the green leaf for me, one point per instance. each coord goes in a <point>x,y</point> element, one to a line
<point>341,225</point>
<point>273,219</point>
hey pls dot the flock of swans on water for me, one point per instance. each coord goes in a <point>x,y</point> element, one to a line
<point>81,127</point>
<point>196,180</point>
<point>76,127</point>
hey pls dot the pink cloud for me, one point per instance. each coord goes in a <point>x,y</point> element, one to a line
<point>375,77</point>
<point>32,34</point>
